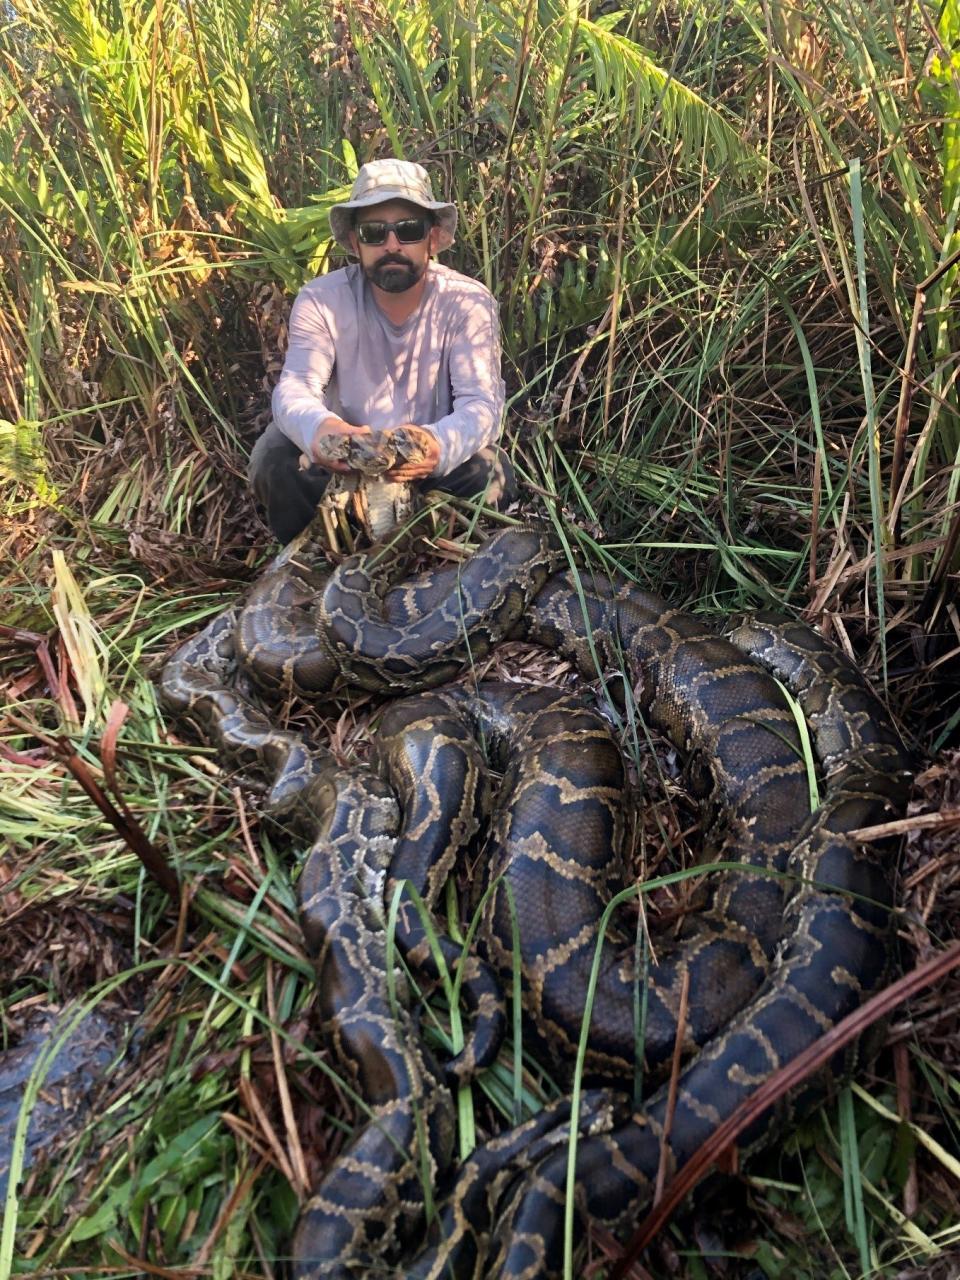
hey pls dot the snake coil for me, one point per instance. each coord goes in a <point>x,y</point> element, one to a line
<point>795,936</point>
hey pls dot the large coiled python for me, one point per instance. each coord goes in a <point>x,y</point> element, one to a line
<point>796,934</point>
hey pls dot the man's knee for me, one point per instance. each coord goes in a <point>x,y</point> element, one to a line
<point>488,474</point>
<point>272,457</point>
<point>287,493</point>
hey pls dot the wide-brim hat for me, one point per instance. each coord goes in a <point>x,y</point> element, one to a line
<point>381,180</point>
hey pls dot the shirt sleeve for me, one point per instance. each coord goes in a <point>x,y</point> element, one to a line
<point>477,387</point>
<point>298,398</point>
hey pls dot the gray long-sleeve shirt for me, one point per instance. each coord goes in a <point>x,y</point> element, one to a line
<point>440,369</point>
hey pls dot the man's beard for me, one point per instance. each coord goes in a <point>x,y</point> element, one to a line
<point>394,275</point>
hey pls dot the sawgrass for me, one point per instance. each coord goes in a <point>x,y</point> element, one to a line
<point>723,240</point>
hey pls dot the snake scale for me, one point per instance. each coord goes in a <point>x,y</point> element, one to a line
<point>794,937</point>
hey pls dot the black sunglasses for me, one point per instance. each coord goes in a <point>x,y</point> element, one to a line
<point>407,231</point>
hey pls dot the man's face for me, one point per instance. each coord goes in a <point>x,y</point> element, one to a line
<point>393,266</point>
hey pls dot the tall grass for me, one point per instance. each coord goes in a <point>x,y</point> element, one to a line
<point>658,198</point>
<point>722,234</point>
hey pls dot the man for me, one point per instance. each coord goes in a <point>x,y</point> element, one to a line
<point>396,340</point>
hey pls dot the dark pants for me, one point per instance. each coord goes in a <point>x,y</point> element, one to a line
<point>289,495</point>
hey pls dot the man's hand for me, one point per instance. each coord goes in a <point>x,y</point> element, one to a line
<point>332,428</point>
<point>430,446</point>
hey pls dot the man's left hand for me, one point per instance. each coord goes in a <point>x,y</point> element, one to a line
<point>427,464</point>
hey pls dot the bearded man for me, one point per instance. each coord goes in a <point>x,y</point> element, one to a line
<point>394,340</point>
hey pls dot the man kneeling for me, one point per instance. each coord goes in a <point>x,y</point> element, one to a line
<point>396,340</point>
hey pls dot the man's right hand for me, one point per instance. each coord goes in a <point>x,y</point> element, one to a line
<point>332,428</point>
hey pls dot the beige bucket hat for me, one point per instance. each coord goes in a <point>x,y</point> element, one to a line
<point>382,180</point>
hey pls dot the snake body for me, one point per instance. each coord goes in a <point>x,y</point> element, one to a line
<point>834,931</point>
<point>795,936</point>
